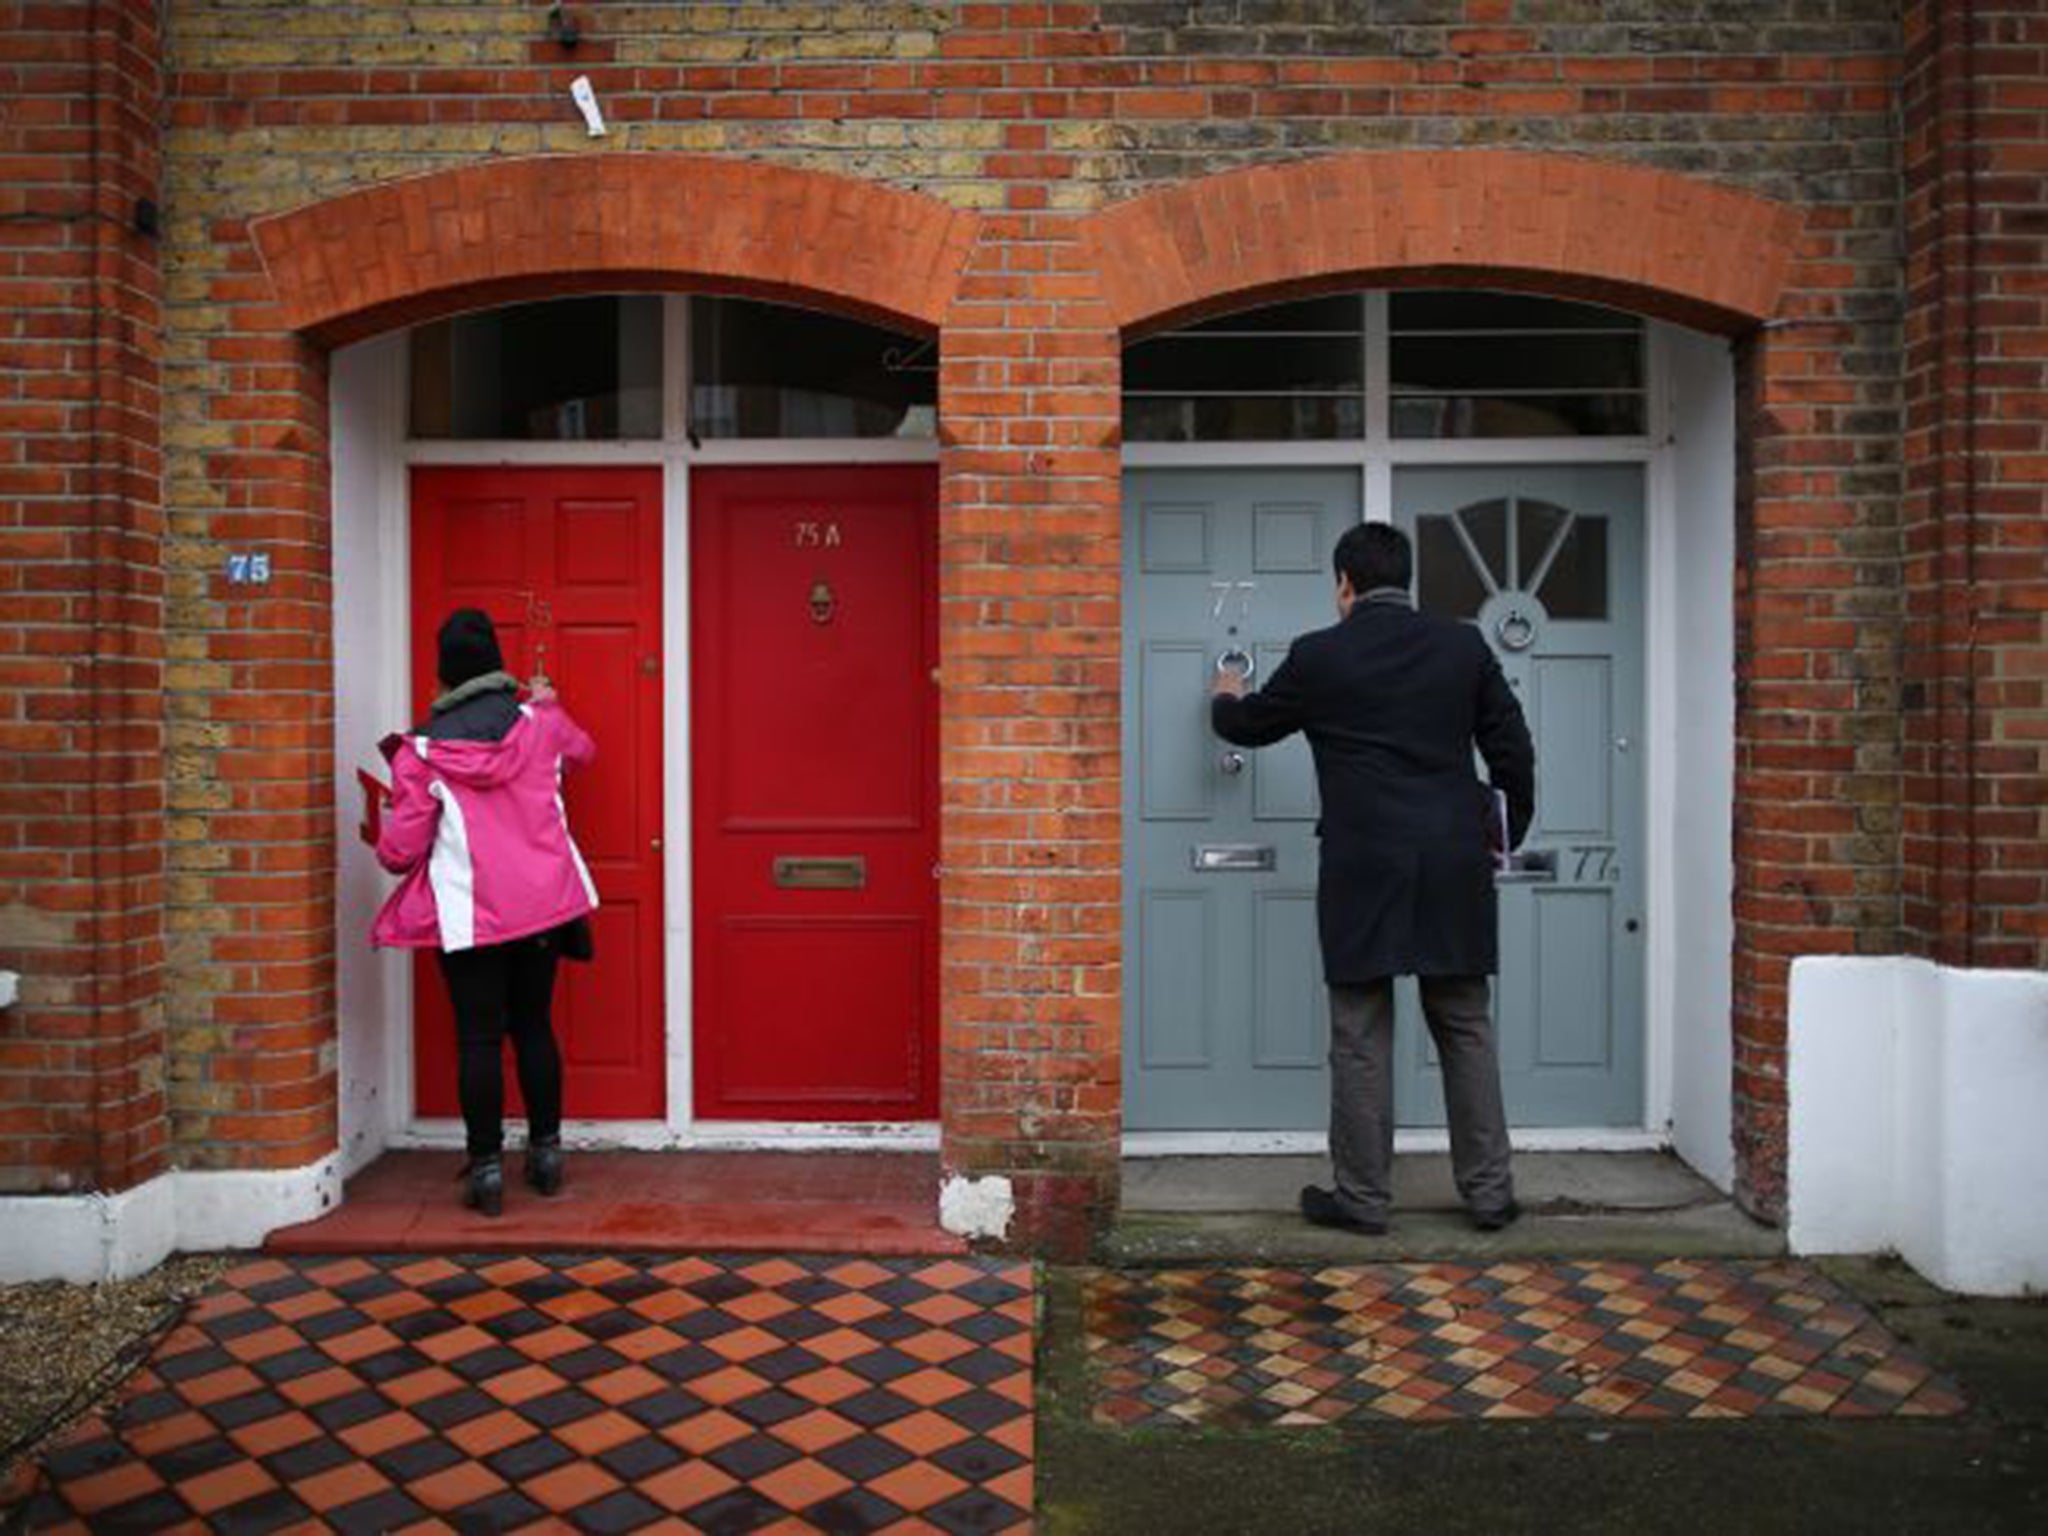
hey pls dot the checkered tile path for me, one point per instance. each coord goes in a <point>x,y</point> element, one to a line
<point>487,1393</point>
<point>1521,1340</point>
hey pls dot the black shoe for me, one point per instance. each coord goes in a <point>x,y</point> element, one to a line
<point>544,1165</point>
<point>1494,1221</point>
<point>1321,1209</point>
<point>483,1189</point>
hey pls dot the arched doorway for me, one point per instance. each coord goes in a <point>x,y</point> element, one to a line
<point>577,392</point>
<point>1635,241</point>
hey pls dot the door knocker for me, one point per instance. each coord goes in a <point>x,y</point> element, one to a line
<point>1236,663</point>
<point>1517,631</point>
<point>822,603</point>
<point>540,618</point>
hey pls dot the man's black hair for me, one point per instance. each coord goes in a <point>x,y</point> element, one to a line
<point>1374,555</point>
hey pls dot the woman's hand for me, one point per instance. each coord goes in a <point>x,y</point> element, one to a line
<point>540,691</point>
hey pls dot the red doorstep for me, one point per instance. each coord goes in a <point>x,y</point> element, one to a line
<point>740,1202</point>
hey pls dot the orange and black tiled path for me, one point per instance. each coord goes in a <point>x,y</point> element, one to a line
<point>614,1393</point>
<point>1675,1340</point>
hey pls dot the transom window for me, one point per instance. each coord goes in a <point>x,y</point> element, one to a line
<point>1459,363</point>
<point>595,369</point>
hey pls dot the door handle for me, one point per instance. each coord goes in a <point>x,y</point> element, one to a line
<point>1218,858</point>
<point>1238,661</point>
<point>1536,867</point>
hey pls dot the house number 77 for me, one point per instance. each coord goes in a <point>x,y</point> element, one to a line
<point>817,536</point>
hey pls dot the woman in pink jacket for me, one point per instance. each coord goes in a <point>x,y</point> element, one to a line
<point>493,881</point>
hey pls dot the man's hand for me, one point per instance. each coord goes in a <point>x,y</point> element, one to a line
<point>1229,685</point>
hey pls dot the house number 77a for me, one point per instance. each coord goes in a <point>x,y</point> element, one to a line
<point>817,536</point>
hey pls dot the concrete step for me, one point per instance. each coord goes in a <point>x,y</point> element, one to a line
<point>1633,1205</point>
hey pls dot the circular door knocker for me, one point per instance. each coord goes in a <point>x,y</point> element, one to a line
<point>1516,631</point>
<point>823,603</point>
<point>1238,663</point>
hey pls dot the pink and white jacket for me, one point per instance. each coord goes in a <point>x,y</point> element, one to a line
<point>478,830</point>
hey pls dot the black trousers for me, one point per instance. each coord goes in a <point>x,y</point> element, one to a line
<point>502,990</point>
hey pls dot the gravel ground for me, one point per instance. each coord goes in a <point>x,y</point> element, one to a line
<point>64,1348</point>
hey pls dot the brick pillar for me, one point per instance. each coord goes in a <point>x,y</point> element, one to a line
<point>1029,638</point>
<point>251,990</point>
<point>1975,718</point>
<point>1816,657</point>
<point>81,748</point>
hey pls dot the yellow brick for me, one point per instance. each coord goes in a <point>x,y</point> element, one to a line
<point>196,674</point>
<point>972,196</point>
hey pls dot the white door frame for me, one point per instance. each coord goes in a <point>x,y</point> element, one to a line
<point>374,439</point>
<point>1376,455</point>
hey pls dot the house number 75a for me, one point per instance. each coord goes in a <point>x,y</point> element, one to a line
<point>817,536</point>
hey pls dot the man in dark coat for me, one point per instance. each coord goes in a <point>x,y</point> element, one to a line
<point>1393,702</point>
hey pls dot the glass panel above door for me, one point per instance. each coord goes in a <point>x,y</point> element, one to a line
<point>558,371</point>
<point>1512,365</point>
<point>1459,364</point>
<point>1289,372</point>
<point>773,370</point>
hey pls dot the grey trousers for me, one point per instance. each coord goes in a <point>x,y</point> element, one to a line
<point>1362,1092</point>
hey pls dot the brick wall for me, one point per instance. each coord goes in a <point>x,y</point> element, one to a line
<point>1975,854</point>
<point>1031,114</point>
<point>81,766</point>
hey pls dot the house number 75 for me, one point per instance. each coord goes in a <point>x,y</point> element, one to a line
<point>817,536</point>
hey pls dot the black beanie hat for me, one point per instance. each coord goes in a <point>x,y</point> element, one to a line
<point>468,647</point>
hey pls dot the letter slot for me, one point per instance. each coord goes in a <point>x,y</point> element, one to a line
<point>1535,867</point>
<point>821,874</point>
<point>1219,858</point>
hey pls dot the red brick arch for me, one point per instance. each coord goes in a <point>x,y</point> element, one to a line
<point>402,251</point>
<point>1643,239</point>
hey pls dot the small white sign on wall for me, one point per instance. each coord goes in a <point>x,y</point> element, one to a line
<point>248,568</point>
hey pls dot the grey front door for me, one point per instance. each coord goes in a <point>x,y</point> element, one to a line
<point>1225,1023</point>
<point>1225,1019</point>
<point>1548,562</point>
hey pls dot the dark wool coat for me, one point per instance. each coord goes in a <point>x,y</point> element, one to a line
<point>1393,702</point>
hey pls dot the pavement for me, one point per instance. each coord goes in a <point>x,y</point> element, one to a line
<point>1982,1469</point>
<point>1123,1447</point>
<point>1631,1356</point>
<point>486,1392</point>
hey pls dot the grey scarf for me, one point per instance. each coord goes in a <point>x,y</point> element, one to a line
<point>485,682</point>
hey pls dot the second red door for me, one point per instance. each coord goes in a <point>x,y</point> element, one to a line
<point>814,754</point>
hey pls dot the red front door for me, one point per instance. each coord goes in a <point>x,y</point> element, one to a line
<point>814,745</point>
<point>567,562</point>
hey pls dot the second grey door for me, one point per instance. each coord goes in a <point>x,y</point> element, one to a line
<point>1547,561</point>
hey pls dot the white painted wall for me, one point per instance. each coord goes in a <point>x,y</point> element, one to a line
<point>370,618</point>
<point>1917,1124</point>
<point>88,1238</point>
<point>1700,930</point>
